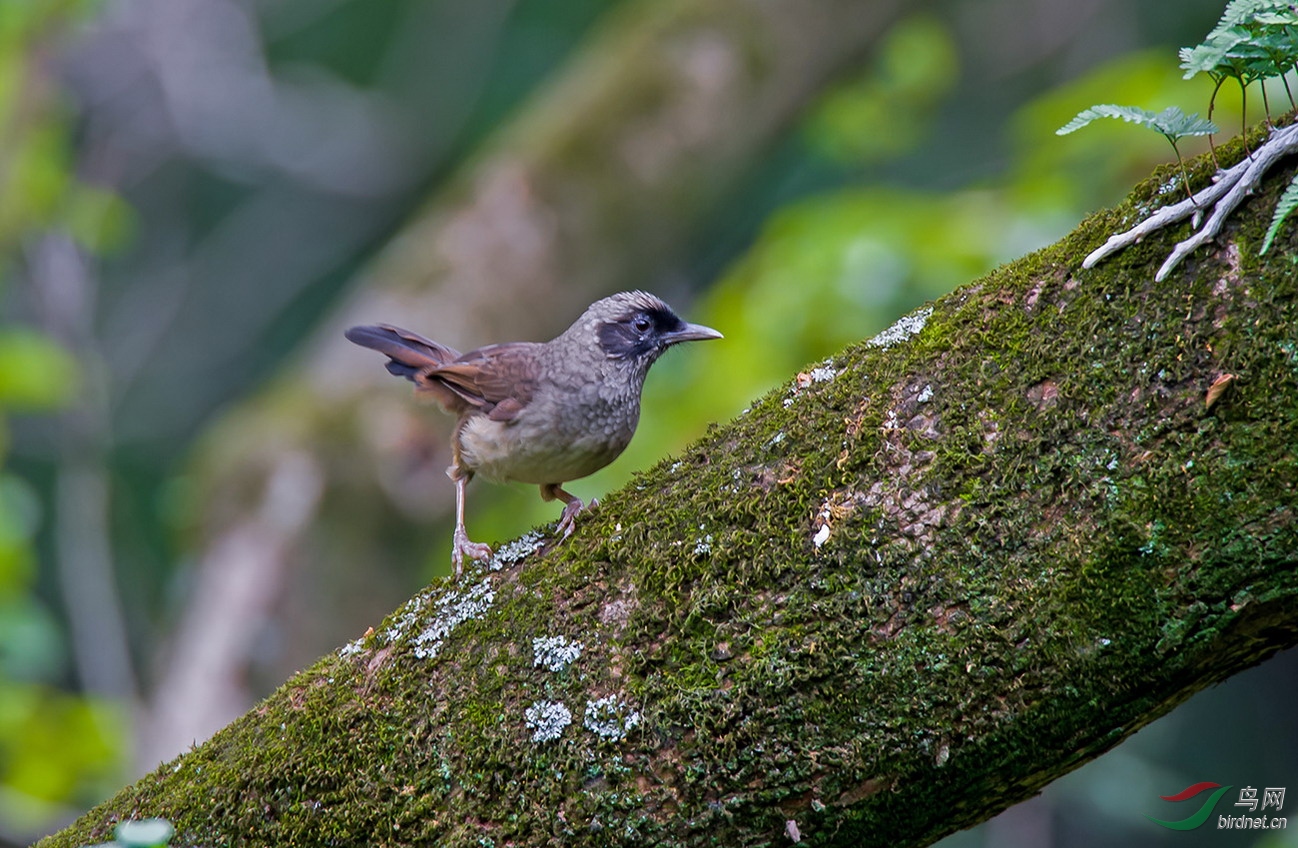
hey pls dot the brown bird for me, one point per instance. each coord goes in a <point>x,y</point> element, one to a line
<point>539,412</point>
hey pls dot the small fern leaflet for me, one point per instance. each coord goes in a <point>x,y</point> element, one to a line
<point>1287,203</point>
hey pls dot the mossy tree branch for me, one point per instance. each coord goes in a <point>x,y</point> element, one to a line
<point>897,595</point>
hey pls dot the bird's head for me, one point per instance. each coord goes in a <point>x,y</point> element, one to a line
<point>638,327</point>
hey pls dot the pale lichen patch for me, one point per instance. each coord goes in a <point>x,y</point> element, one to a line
<point>610,718</point>
<point>822,373</point>
<point>905,328</point>
<point>518,550</point>
<point>451,611</point>
<point>405,619</point>
<point>554,653</point>
<point>547,720</point>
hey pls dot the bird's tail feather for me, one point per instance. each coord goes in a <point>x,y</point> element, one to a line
<point>409,353</point>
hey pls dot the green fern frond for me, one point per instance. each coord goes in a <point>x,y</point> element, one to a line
<point>1172,123</point>
<point>1244,11</point>
<point>1217,55</point>
<point>1284,16</point>
<point>1287,203</point>
<point>1254,39</point>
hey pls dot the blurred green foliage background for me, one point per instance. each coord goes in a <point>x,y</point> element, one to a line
<point>191,190</point>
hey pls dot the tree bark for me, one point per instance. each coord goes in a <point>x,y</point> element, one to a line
<point>897,595</point>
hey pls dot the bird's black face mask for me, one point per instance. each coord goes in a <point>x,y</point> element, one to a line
<point>643,333</point>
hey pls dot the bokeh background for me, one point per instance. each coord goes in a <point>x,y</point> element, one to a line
<point>204,488</point>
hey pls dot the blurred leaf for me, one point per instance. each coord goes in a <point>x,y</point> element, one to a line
<point>35,373</point>
<point>17,564</point>
<point>19,515</point>
<point>38,173</point>
<point>99,220</point>
<point>885,111</point>
<point>31,648</point>
<point>20,504</point>
<point>51,743</point>
<point>38,188</point>
<point>25,19</point>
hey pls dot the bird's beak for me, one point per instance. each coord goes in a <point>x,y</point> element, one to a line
<point>691,333</point>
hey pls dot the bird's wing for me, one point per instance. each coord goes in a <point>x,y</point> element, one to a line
<point>498,379</point>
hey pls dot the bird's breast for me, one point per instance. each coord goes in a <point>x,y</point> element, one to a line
<point>559,436</point>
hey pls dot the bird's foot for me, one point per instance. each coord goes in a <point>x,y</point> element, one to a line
<point>463,545</point>
<point>569,518</point>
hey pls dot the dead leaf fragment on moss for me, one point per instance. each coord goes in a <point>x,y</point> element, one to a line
<point>1217,388</point>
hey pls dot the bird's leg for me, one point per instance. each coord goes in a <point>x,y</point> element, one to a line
<point>461,544</point>
<point>571,505</point>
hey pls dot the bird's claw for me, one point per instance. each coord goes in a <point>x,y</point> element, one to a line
<point>568,520</point>
<point>463,545</point>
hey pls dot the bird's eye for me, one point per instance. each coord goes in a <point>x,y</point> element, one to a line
<point>642,324</point>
